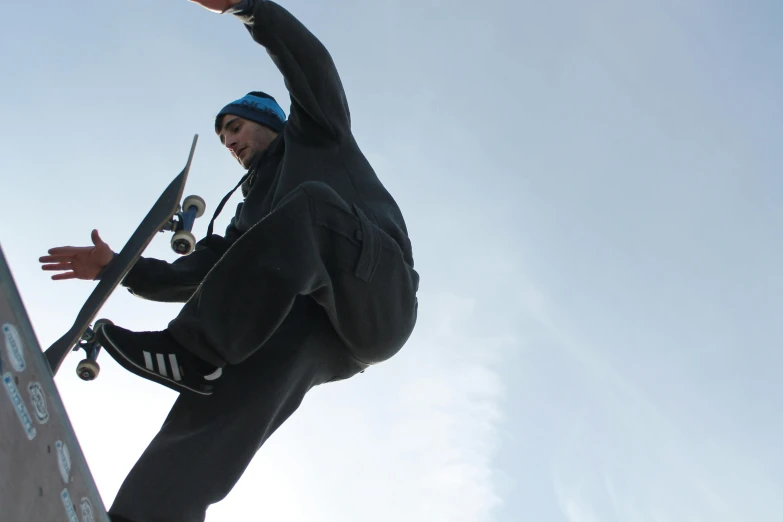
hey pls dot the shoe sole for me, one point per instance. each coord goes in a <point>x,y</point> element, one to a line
<point>143,372</point>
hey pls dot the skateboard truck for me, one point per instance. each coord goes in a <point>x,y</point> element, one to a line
<point>181,223</point>
<point>88,369</point>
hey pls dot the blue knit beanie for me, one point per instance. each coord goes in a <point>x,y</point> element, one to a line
<point>254,106</point>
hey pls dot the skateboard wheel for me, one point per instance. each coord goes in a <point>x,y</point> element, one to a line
<point>88,370</point>
<point>183,242</point>
<point>195,201</point>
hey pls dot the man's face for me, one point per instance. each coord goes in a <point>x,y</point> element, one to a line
<point>244,138</point>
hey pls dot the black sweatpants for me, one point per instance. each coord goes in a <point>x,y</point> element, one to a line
<point>313,293</point>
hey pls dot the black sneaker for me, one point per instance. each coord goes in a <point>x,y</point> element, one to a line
<point>158,357</point>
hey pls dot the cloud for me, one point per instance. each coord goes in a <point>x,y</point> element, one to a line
<point>450,410</point>
<point>574,507</point>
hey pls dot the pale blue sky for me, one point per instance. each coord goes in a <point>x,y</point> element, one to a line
<point>593,192</point>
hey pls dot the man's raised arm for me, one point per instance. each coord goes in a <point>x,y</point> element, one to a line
<point>318,102</point>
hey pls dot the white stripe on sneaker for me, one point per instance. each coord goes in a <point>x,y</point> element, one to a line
<point>174,367</point>
<point>214,375</point>
<point>161,365</point>
<point>148,361</point>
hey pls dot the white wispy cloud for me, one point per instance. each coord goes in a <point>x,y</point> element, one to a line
<point>573,506</point>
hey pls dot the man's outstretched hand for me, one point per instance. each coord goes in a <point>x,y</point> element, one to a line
<point>216,6</point>
<point>78,262</point>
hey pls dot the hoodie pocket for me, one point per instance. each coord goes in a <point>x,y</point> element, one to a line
<point>370,249</point>
<point>356,227</point>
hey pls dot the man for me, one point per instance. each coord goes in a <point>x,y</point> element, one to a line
<point>312,282</point>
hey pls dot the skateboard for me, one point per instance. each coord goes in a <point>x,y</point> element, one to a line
<point>165,215</point>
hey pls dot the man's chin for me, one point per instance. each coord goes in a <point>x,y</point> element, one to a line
<point>246,161</point>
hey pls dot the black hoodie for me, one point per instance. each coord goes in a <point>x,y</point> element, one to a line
<point>316,144</point>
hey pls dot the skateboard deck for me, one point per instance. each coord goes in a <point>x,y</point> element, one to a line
<point>157,218</point>
<point>43,472</point>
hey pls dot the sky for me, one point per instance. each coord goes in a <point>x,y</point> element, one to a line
<point>593,196</point>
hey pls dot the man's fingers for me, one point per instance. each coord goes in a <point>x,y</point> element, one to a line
<point>57,266</point>
<point>54,259</point>
<point>67,275</point>
<point>68,250</point>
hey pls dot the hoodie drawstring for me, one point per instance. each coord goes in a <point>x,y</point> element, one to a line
<point>223,203</point>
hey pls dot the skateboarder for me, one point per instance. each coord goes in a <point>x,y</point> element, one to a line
<point>312,282</point>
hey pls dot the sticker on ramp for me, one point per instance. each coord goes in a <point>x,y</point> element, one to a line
<point>21,409</point>
<point>63,461</point>
<point>14,347</point>
<point>70,510</point>
<point>87,513</point>
<point>38,402</point>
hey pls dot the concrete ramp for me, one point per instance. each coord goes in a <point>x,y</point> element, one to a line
<point>43,474</point>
